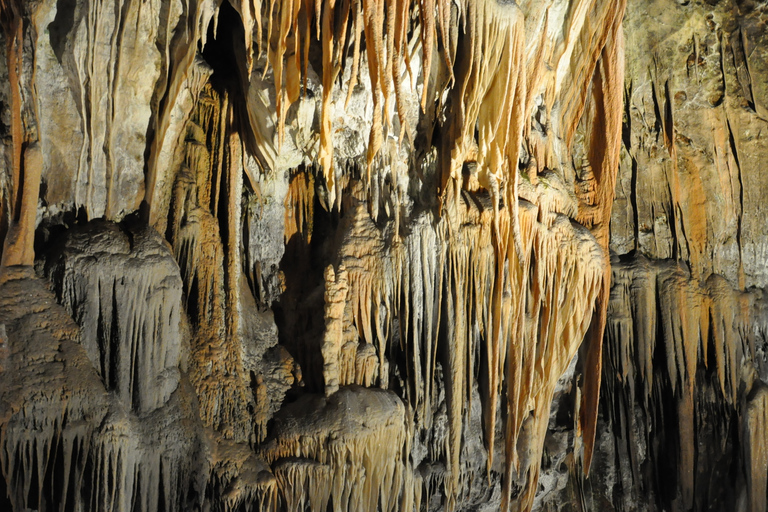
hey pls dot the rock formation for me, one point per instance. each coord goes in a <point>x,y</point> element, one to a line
<point>393,255</point>
<point>684,350</point>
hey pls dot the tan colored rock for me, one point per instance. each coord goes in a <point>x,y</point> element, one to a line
<point>445,175</point>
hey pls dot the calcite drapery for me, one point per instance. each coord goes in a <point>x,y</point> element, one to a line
<point>442,285</point>
<point>122,287</point>
<point>684,366</point>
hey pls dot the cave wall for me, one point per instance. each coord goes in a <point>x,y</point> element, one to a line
<point>386,255</point>
<point>684,350</point>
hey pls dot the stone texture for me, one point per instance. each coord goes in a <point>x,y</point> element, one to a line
<point>684,363</point>
<point>394,255</point>
<point>122,286</point>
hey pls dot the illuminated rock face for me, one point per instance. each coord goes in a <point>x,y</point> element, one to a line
<point>684,365</point>
<point>356,255</point>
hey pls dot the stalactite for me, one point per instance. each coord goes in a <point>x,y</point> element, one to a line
<point>605,117</point>
<point>13,26</point>
<point>661,303</point>
<point>349,446</point>
<point>299,206</point>
<point>62,430</point>
<point>240,481</point>
<point>376,22</point>
<point>129,317</point>
<point>566,277</point>
<point>180,62</point>
<point>303,483</point>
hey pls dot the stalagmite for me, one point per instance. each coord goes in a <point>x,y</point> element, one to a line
<point>210,270</point>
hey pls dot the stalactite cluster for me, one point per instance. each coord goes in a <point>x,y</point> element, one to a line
<point>394,255</point>
<point>684,364</point>
<point>473,284</point>
<point>124,291</point>
<point>66,442</point>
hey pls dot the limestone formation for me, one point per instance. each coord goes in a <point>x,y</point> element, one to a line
<point>684,360</point>
<point>383,255</point>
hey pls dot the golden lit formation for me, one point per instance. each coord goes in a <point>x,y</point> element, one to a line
<point>381,255</point>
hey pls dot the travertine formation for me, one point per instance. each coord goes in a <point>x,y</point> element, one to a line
<point>382,255</point>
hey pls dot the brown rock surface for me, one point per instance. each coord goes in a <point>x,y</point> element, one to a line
<point>684,361</point>
<point>383,255</point>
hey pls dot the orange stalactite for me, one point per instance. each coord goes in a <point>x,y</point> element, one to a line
<point>26,155</point>
<point>519,283</point>
<point>604,149</point>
